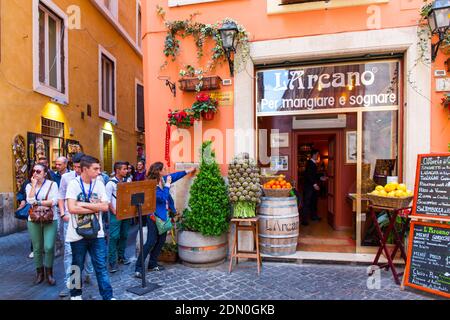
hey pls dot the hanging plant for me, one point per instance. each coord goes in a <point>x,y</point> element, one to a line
<point>200,32</point>
<point>181,118</point>
<point>205,106</point>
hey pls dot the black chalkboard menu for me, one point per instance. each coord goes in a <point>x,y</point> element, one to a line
<point>428,263</point>
<point>432,188</point>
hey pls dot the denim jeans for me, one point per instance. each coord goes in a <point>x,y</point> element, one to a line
<point>98,251</point>
<point>152,246</point>
<point>68,259</point>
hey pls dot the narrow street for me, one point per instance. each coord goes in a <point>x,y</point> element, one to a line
<point>278,281</point>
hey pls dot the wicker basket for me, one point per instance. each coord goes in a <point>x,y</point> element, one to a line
<point>277,193</point>
<point>265,179</point>
<point>389,202</point>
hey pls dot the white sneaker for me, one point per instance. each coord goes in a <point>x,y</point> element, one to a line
<point>76,298</point>
<point>31,255</point>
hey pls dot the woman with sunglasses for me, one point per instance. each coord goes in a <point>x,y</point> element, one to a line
<point>43,192</point>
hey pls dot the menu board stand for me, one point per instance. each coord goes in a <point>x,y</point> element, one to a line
<point>428,258</point>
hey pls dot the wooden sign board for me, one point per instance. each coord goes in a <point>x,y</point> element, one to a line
<point>428,263</point>
<point>432,188</point>
<point>124,208</point>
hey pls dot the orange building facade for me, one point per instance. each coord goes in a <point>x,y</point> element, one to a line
<point>350,78</point>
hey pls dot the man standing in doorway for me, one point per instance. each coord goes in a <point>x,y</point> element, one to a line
<point>86,200</point>
<point>311,188</point>
<point>118,229</point>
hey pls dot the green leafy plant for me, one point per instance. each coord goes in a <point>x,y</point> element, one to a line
<point>201,32</point>
<point>209,208</point>
<point>170,247</point>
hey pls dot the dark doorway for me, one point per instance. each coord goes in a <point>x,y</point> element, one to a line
<point>320,236</point>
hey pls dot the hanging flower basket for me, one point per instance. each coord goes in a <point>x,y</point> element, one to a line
<point>208,115</point>
<point>205,106</point>
<point>182,119</point>
<point>192,84</point>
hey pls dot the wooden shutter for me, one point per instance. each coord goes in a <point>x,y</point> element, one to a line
<point>140,122</point>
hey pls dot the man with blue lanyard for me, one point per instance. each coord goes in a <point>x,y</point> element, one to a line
<point>65,216</point>
<point>118,230</point>
<point>86,201</point>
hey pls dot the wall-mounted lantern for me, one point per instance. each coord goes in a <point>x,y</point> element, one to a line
<point>228,34</point>
<point>439,22</point>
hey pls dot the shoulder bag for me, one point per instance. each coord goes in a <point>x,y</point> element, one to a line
<point>42,214</point>
<point>89,226</point>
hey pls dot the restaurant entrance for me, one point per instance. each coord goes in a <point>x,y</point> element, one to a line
<point>358,131</point>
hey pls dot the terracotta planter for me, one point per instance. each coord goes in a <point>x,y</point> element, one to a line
<point>168,257</point>
<point>208,116</point>
<point>209,83</point>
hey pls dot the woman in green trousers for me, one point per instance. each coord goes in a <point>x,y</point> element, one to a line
<point>43,192</point>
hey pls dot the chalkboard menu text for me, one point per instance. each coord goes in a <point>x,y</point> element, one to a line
<point>432,188</point>
<point>428,263</point>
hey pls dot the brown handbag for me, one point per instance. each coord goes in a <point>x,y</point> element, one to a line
<point>42,214</point>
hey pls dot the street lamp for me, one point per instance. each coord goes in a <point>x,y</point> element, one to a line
<point>228,34</point>
<point>439,22</point>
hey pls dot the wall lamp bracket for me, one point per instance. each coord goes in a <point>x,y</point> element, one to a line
<point>172,86</point>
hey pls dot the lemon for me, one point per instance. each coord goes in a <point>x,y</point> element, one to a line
<point>400,194</point>
<point>383,193</point>
<point>391,194</point>
<point>395,184</point>
<point>375,192</point>
<point>379,188</point>
<point>389,187</point>
<point>409,193</point>
<point>402,187</point>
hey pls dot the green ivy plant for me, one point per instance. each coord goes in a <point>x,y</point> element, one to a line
<point>200,32</point>
<point>208,210</point>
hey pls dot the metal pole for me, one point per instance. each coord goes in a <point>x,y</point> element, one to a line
<point>141,245</point>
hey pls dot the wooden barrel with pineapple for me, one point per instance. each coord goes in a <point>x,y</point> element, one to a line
<point>278,226</point>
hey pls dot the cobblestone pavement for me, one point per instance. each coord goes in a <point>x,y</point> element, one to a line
<point>278,281</point>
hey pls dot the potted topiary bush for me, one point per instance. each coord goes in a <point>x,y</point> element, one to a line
<point>202,240</point>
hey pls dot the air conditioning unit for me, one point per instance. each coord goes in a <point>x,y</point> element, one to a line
<point>319,121</point>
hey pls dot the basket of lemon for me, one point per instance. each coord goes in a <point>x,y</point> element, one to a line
<point>392,195</point>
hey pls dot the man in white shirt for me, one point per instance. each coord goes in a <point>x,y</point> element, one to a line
<point>86,200</point>
<point>65,217</point>
<point>118,229</point>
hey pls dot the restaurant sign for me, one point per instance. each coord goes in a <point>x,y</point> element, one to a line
<point>372,84</point>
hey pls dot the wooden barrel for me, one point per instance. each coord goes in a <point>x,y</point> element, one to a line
<point>278,226</point>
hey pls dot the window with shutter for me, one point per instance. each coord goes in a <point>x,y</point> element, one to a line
<point>140,120</point>
<point>50,46</point>
<point>107,85</point>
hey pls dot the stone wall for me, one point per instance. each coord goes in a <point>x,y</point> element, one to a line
<point>8,223</point>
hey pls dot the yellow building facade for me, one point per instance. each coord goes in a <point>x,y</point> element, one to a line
<point>70,77</point>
